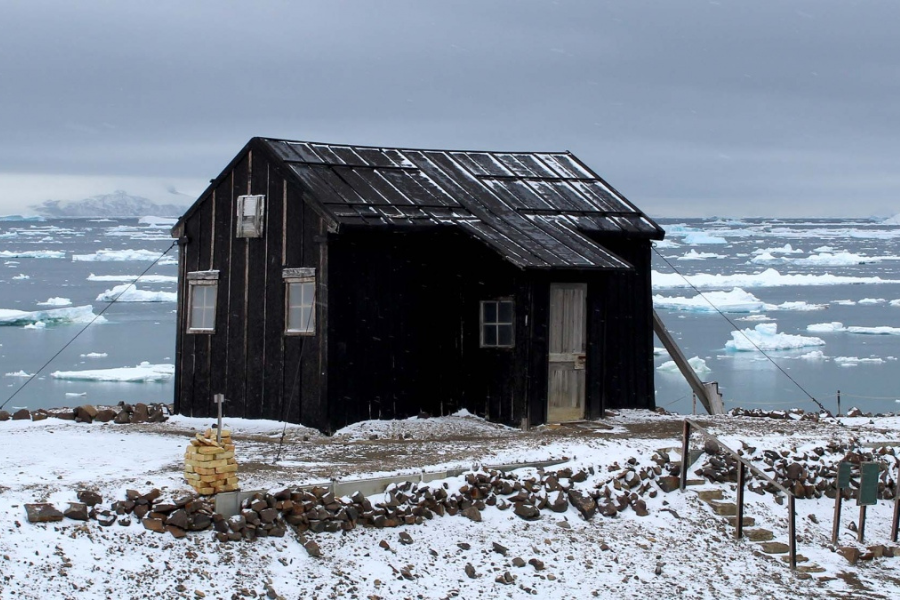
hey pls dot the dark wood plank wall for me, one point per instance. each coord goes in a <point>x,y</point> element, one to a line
<point>223,239</point>
<point>273,396</point>
<point>235,303</point>
<point>628,357</point>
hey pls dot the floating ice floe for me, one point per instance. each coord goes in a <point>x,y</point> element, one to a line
<point>852,361</point>
<point>786,249</point>
<point>657,351</point>
<point>767,278</point>
<point>824,249</point>
<point>813,355</point>
<point>844,302</point>
<point>74,314</point>
<point>872,301</point>
<point>767,258</point>
<point>32,254</point>
<point>109,255</point>
<point>735,301</point>
<point>37,325</point>
<point>702,238</point>
<point>143,373</point>
<point>55,302</point>
<point>666,244</point>
<point>765,337</point>
<point>95,355</point>
<point>895,302</point>
<point>697,364</point>
<point>838,327</point>
<point>22,276</point>
<point>694,255</point>
<point>76,394</point>
<point>129,293</point>
<point>19,374</point>
<point>131,278</point>
<point>20,218</point>
<point>157,221</point>
<point>832,327</point>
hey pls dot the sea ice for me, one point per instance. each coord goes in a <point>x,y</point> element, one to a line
<point>37,325</point>
<point>129,293</point>
<point>872,301</point>
<point>19,374</point>
<point>94,355</point>
<point>157,221</point>
<point>55,302</point>
<point>131,278</point>
<point>832,327</point>
<point>765,337</point>
<point>657,351</point>
<point>735,301</point>
<point>767,278</point>
<point>74,314</point>
<point>144,372</point>
<point>109,255</point>
<point>22,276</point>
<point>880,330</point>
<point>786,249</point>
<point>813,355</point>
<point>702,238</point>
<point>823,249</point>
<point>852,361</point>
<point>895,302</point>
<point>840,259</point>
<point>694,255</point>
<point>666,244</point>
<point>33,254</point>
<point>697,364</point>
<point>844,302</point>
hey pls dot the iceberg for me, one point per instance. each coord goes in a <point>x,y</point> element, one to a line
<point>786,249</point>
<point>852,361</point>
<point>765,337</point>
<point>697,364</point>
<point>694,255</point>
<point>702,238</point>
<point>872,301</point>
<point>735,301</point>
<point>813,355</point>
<point>841,259</point>
<point>129,293</point>
<point>142,373</point>
<point>666,244</point>
<point>767,278</point>
<point>895,302</point>
<point>880,330</point>
<point>832,327</point>
<point>55,302</point>
<point>22,276</point>
<point>75,314</point>
<point>19,374</point>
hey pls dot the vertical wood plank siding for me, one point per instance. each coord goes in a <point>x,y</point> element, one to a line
<point>397,318</point>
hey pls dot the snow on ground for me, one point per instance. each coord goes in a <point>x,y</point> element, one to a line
<point>765,337</point>
<point>131,278</point>
<point>32,254</point>
<point>144,372</point>
<point>697,364</point>
<point>109,255</point>
<point>735,301</point>
<point>55,302</point>
<point>767,278</point>
<point>130,293</point>
<point>75,314</point>
<point>603,557</point>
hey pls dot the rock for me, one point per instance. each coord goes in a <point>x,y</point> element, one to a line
<point>850,553</point>
<point>141,413</point>
<point>105,517</point>
<point>312,548</point>
<point>795,471</point>
<point>519,562</point>
<point>42,513</point>
<point>177,532</point>
<point>405,538</point>
<point>122,417</point>
<point>4,416</point>
<point>774,547</point>
<point>527,512</point>
<point>585,504</point>
<point>178,518</point>
<point>537,564</point>
<point>561,504</point>
<point>464,546</point>
<point>105,416</point>
<point>39,415</point>
<point>563,525</point>
<point>470,571</point>
<point>640,508</point>
<point>506,578</point>
<point>877,551</point>
<point>668,483</point>
<point>85,413</point>
<point>88,497</point>
<point>499,549</point>
<point>472,513</point>
<point>21,415</point>
<point>77,511</point>
<point>151,524</point>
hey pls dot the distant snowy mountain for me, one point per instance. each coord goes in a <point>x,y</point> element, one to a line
<point>117,204</point>
<point>895,220</point>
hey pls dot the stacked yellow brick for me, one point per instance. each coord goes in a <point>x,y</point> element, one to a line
<point>210,468</point>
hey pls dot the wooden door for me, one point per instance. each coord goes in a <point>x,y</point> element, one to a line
<point>566,393</point>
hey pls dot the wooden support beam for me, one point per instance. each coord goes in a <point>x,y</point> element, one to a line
<point>742,479</point>
<point>711,401</point>
<point>685,452</point>
<point>792,532</point>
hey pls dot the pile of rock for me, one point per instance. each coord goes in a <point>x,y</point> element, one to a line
<point>808,474</point>
<point>209,466</point>
<point>260,516</point>
<point>87,413</point>
<point>186,513</point>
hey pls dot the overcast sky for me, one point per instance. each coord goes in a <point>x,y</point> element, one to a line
<point>689,108</point>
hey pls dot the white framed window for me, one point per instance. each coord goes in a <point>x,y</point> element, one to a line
<point>202,291</point>
<point>497,323</point>
<point>250,213</point>
<point>300,301</point>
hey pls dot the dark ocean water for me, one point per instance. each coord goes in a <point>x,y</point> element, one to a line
<point>136,332</point>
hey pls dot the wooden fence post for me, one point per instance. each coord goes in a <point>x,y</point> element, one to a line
<point>685,452</point>
<point>742,478</point>
<point>792,532</point>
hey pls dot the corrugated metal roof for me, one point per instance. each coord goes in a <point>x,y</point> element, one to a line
<point>534,208</point>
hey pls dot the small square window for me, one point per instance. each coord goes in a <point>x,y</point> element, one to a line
<point>497,324</point>
<point>300,301</point>
<point>250,213</point>
<point>202,317</point>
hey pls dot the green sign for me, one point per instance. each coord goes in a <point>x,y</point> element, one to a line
<point>868,484</point>
<point>843,475</point>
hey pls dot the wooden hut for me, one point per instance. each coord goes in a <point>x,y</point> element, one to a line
<point>325,284</point>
